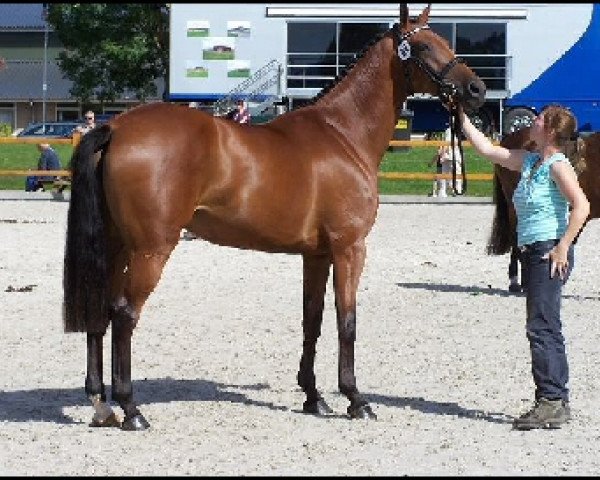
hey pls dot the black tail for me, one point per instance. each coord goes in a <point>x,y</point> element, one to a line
<point>500,241</point>
<point>85,264</point>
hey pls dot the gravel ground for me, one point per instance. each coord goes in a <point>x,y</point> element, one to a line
<point>441,354</point>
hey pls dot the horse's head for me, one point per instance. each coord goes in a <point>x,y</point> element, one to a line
<point>430,65</point>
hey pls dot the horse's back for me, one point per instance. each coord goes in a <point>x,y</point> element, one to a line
<point>273,187</point>
<point>590,177</point>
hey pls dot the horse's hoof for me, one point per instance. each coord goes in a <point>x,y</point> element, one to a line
<point>317,408</point>
<point>110,421</point>
<point>136,423</point>
<point>362,412</point>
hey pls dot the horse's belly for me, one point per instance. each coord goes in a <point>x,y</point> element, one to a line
<point>262,234</point>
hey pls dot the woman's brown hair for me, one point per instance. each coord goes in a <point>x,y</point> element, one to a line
<point>564,124</point>
<point>562,121</point>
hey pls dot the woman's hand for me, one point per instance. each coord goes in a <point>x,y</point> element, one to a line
<point>558,260</point>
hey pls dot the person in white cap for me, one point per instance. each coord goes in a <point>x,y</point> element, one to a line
<point>448,161</point>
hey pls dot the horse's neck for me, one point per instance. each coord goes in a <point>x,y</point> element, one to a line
<point>363,106</point>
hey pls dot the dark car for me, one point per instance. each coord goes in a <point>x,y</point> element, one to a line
<point>103,117</point>
<point>49,129</point>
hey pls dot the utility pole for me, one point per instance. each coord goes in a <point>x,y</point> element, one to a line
<point>45,67</point>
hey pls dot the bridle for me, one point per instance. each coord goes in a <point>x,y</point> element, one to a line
<point>447,94</point>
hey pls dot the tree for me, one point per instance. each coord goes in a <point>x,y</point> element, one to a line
<point>111,49</point>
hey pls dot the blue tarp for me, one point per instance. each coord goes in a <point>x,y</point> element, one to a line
<point>573,80</point>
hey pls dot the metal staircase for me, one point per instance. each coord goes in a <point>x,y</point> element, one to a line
<point>257,89</point>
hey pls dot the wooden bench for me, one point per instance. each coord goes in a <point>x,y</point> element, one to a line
<point>58,185</point>
<point>55,186</point>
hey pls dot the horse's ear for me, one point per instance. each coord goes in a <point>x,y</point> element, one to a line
<point>424,17</point>
<point>403,16</point>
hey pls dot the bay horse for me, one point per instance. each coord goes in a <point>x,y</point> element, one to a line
<point>584,155</point>
<point>305,183</point>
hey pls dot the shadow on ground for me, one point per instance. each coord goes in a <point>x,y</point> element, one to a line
<point>474,290</point>
<point>47,404</point>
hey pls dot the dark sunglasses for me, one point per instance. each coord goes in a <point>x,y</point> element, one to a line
<point>89,118</point>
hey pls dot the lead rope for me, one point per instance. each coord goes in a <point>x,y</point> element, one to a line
<point>455,137</point>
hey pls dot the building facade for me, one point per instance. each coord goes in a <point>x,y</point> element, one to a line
<point>286,53</point>
<point>32,87</point>
<point>509,46</point>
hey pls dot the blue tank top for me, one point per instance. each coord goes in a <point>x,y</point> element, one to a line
<point>542,210</point>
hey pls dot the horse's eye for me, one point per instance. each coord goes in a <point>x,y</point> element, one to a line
<point>421,47</point>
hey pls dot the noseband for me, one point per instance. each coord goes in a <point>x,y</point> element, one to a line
<point>447,94</point>
<point>447,89</point>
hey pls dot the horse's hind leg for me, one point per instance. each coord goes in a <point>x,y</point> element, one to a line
<point>316,273</point>
<point>347,268</point>
<point>142,276</point>
<point>94,385</point>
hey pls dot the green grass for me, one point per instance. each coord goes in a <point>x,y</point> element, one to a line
<point>414,159</point>
<point>23,157</point>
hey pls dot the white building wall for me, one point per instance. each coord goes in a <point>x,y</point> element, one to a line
<point>536,43</point>
<point>537,35</point>
<point>266,41</point>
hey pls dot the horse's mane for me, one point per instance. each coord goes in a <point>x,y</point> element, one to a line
<point>340,76</point>
<point>576,153</point>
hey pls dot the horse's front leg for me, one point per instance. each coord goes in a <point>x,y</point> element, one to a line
<point>94,385</point>
<point>315,274</point>
<point>347,268</point>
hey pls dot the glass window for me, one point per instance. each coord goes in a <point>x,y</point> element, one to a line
<point>308,82</point>
<point>483,46</point>
<point>311,48</point>
<point>480,38</point>
<point>317,52</point>
<point>355,36</point>
<point>444,30</point>
<point>66,112</point>
<point>311,59</point>
<point>7,116</point>
<point>311,37</point>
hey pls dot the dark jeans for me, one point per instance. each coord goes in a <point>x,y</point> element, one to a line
<point>544,329</point>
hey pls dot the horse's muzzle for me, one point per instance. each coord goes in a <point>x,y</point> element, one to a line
<point>473,96</point>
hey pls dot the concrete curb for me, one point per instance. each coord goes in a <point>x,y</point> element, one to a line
<point>421,199</point>
<point>384,199</point>
<point>34,196</point>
